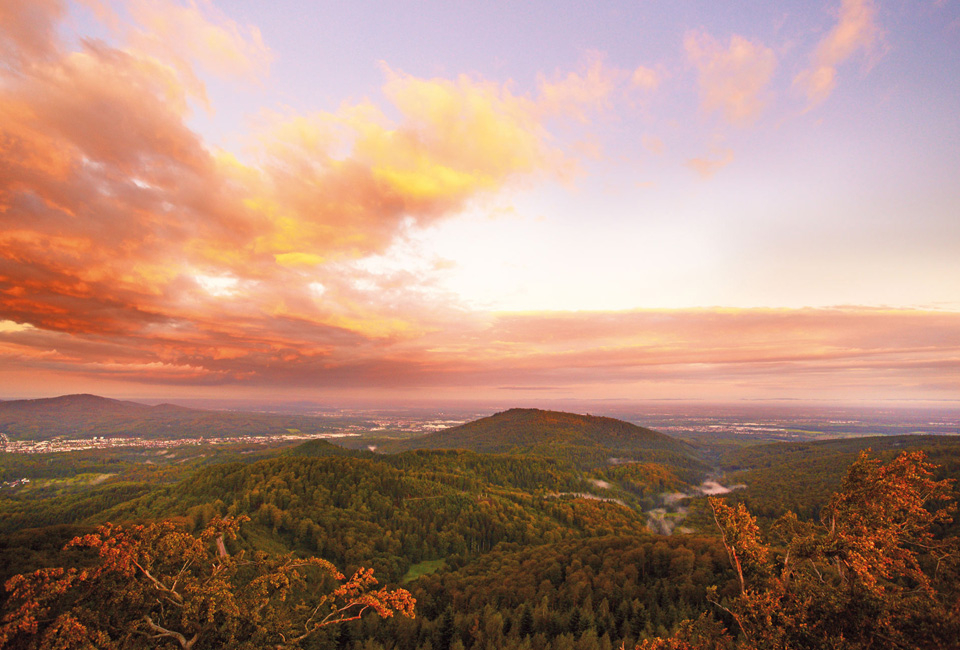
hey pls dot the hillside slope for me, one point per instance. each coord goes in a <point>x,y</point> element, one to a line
<point>88,416</point>
<point>582,439</point>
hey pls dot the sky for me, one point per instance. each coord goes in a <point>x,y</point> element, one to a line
<point>515,202</point>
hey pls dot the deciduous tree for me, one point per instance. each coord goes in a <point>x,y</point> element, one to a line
<point>870,574</point>
<point>157,585</point>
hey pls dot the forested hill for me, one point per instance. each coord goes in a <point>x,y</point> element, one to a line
<point>89,416</point>
<point>70,406</point>
<point>582,439</point>
<point>513,551</point>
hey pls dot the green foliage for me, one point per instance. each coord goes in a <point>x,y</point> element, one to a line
<point>323,448</point>
<point>646,482</point>
<point>67,508</point>
<point>130,464</point>
<point>393,512</point>
<point>483,470</point>
<point>421,569</point>
<point>574,593</point>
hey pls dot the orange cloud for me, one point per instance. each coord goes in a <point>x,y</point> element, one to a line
<point>798,353</point>
<point>27,29</point>
<point>476,132</point>
<point>732,79</point>
<point>855,30</point>
<point>810,353</point>
<point>115,218</point>
<point>342,185</point>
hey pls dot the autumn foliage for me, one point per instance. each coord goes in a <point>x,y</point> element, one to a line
<point>157,586</point>
<point>871,574</point>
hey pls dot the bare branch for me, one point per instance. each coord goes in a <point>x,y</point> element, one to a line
<point>174,595</point>
<point>163,632</point>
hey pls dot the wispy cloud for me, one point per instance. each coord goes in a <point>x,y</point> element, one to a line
<point>707,353</point>
<point>200,35</point>
<point>653,144</point>
<point>855,30</point>
<point>577,91</point>
<point>592,89</point>
<point>707,167</point>
<point>645,78</point>
<point>733,78</point>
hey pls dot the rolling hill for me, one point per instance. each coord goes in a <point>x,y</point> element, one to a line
<point>89,416</point>
<point>585,440</point>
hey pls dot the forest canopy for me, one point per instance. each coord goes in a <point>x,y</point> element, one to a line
<point>502,551</point>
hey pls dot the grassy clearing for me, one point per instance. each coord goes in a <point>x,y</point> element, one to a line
<point>421,569</point>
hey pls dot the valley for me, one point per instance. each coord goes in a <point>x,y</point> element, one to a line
<point>526,528</point>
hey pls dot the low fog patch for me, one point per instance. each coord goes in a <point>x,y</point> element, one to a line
<point>667,520</point>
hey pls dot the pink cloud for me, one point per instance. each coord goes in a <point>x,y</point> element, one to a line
<point>707,167</point>
<point>130,250</point>
<point>856,30</point>
<point>576,92</point>
<point>200,35</point>
<point>653,144</point>
<point>592,89</point>
<point>812,353</point>
<point>645,78</point>
<point>733,79</point>
<point>27,29</point>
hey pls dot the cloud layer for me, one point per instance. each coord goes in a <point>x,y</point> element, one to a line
<point>695,354</point>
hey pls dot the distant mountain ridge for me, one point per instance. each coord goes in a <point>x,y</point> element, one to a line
<point>71,404</point>
<point>89,416</point>
<point>583,439</point>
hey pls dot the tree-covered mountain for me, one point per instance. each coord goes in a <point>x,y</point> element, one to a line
<point>585,440</point>
<point>90,416</point>
<point>801,476</point>
<point>391,512</point>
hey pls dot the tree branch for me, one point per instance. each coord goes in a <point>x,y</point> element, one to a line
<point>163,632</point>
<point>735,617</point>
<point>176,597</point>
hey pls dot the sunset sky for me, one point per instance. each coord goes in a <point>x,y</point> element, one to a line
<point>506,201</point>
